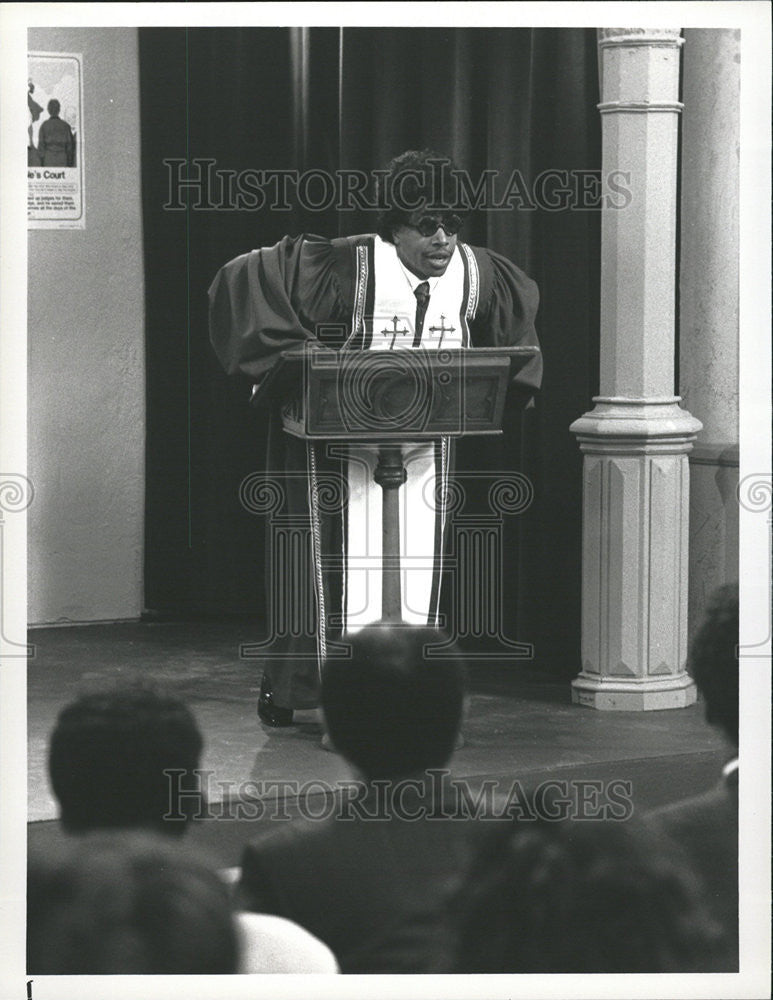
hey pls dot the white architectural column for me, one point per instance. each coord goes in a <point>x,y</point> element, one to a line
<point>636,438</point>
<point>708,302</point>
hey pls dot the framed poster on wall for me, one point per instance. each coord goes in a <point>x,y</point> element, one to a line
<point>55,190</point>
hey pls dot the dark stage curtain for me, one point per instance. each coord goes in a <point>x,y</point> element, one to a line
<point>273,98</point>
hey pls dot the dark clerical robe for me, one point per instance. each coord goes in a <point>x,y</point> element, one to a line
<point>353,294</point>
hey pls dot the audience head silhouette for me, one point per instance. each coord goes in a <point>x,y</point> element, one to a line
<point>713,660</point>
<point>107,758</point>
<point>581,896</point>
<point>127,903</point>
<point>391,710</point>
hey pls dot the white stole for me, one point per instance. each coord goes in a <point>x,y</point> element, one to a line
<point>394,313</point>
<point>394,304</point>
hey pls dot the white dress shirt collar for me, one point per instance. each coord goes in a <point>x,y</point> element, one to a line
<point>414,282</point>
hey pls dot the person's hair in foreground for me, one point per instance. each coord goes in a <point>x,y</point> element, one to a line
<point>580,897</point>
<point>108,754</point>
<point>713,660</point>
<point>127,903</point>
<point>392,708</point>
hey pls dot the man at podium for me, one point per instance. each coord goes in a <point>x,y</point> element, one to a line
<point>412,285</point>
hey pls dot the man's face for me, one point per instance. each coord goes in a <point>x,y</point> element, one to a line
<point>427,256</point>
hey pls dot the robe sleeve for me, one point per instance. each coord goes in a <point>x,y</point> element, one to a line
<point>267,303</point>
<point>506,316</point>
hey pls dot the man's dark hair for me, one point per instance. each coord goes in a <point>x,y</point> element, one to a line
<point>390,709</point>
<point>713,660</point>
<point>107,757</point>
<point>580,897</point>
<point>54,107</point>
<point>127,903</point>
<point>415,179</point>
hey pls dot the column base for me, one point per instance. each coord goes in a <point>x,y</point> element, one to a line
<point>651,695</point>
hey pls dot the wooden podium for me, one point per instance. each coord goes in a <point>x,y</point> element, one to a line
<point>389,398</point>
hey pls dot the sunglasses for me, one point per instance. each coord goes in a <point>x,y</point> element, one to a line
<point>428,225</point>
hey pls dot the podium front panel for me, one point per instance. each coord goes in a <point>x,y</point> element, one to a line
<point>399,395</point>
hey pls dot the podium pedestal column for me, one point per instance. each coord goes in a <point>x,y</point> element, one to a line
<point>390,475</point>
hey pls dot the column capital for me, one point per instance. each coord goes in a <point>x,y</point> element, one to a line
<point>669,37</point>
<point>633,426</point>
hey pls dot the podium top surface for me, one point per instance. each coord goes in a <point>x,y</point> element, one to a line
<point>398,395</point>
<point>287,376</point>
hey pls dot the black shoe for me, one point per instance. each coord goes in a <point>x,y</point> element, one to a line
<point>268,712</point>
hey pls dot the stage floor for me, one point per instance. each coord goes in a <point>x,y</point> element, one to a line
<point>519,725</point>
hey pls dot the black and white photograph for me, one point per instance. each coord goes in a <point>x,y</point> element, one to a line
<point>385,500</point>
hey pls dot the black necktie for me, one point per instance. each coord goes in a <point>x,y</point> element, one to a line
<point>422,301</point>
